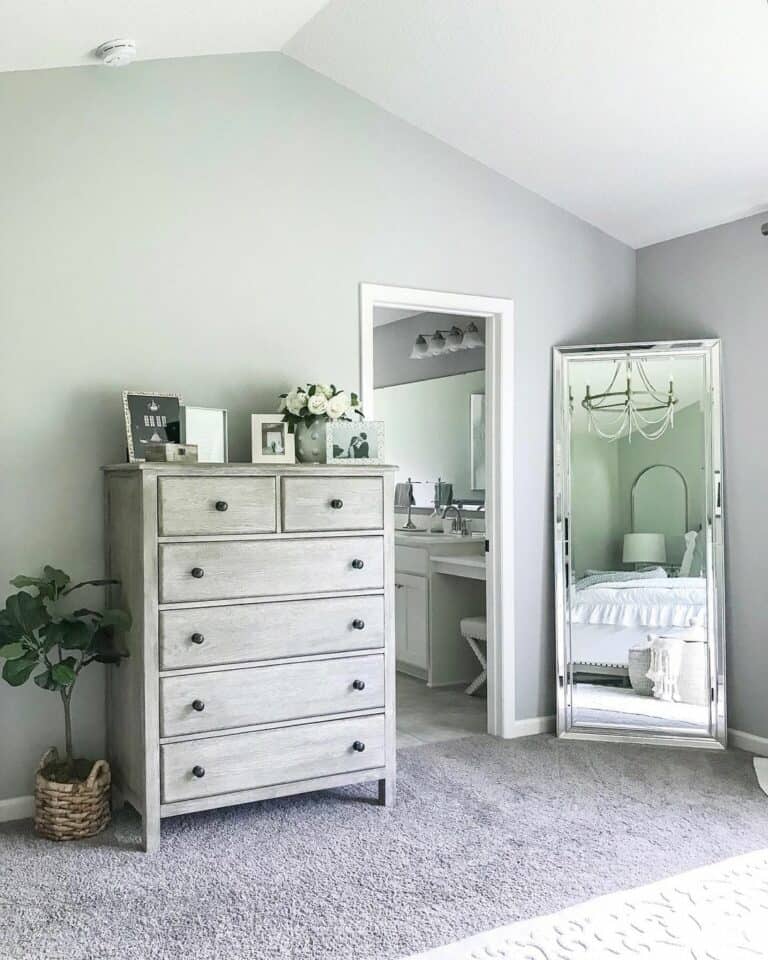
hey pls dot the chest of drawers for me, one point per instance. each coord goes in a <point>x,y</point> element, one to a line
<point>262,659</point>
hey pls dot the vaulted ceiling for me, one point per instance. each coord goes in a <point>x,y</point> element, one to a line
<point>647,118</point>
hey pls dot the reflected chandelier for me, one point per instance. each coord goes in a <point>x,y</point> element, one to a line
<point>614,414</point>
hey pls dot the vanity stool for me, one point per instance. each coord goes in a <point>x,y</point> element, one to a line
<point>473,629</point>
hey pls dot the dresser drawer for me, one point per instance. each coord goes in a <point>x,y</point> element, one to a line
<point>216,505</point>
<point>332,503</point>
<point>246,761</point>
<point>206,636</point>
<point>229,569</point>
<point>221,700</point>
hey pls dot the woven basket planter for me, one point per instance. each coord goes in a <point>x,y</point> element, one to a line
<point>639,665</point>
<point>72,811</point>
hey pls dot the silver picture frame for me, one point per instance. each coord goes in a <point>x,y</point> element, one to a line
<point>166,407</point>
<point>345,438</point>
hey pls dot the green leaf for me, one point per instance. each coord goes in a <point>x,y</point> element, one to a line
<point>24,581</point>
<point>12,651</point>
<point>106,647</point>
<point>16,672</point>
<point>26,612</point>
<point>89,583</point>
<point>75,634</point>
<point>46,681</point>
<point>57,577</point>
<point>63,674</point>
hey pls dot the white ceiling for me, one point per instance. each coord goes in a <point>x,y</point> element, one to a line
<point>35,34</point>
<point>647,118</point>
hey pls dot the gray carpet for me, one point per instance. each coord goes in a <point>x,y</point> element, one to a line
<point>485,832</point>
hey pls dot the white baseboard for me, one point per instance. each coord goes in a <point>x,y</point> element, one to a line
<point>17,808</point>
<point>529,727</point>
<point>748,741</point>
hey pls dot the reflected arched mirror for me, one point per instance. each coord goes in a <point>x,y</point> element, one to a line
<point>659,504</point>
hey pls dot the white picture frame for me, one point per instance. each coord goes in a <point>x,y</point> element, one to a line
<point>207,428</point>
<point>270,440</point>
<point>344,438</point>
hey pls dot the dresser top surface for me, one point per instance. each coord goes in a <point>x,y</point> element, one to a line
<point>251,469</point>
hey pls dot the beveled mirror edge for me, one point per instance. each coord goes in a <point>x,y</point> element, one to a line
<point>711,349</point>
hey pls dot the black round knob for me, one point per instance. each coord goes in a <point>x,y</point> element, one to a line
<point>337,504</point>
<point>198,705</point>
<point>358,564</point>
<point>222,505</point>
<point>198,772</point>
<point>358,624</point>
<point>358,746</point>
<point>198,573</point>
<point>358,684</point>
<point>197,638</point>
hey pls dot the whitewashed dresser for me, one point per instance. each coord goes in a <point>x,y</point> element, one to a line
<point>262,657</point>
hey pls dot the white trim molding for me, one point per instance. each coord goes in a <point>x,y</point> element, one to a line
<point>532,726</point>
<point>748,741</point>
<point>17,808</point>
<point>499,498</point>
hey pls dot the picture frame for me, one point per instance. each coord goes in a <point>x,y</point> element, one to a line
<point>150,417</point>
<point>206,427</point>
<point>358,442</point>
<point>270,440</point>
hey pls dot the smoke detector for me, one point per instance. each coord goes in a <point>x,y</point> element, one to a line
<point>116,53</point>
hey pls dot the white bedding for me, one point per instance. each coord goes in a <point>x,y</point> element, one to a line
<point>654,602</point>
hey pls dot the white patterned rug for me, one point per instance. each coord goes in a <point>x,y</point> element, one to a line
<point>718,912</point>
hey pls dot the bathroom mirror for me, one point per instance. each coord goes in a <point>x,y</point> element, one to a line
<point>639,543</point>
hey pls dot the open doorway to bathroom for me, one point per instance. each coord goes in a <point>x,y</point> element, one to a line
<point>431,370</point>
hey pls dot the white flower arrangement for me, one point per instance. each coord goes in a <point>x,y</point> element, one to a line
<point>318,401</point>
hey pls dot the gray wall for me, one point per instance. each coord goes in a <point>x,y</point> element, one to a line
<point>202,225</point>
<point>715,283</point>
<point>393,342</point>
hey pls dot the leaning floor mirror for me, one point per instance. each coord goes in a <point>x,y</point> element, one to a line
<point>639,543</point>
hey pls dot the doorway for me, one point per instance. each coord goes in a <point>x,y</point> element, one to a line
<point>446,391</point>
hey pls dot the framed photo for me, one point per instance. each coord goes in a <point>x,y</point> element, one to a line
<point>355,441</point>
<point>150,418</point>
<point>207,428</point>
<point>270,440</point>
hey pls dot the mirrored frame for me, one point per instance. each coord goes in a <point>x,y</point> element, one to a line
<point>714,733</point>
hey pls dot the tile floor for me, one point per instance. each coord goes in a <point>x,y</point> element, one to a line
<point>427,715</point>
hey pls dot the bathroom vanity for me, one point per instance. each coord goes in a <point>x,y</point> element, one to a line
<point>428,642</point>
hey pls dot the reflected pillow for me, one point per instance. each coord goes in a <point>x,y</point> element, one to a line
<point>592,577</point>
<point>694,558</point>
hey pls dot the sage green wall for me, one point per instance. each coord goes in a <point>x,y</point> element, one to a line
<point>202,225</point>
<point>596,512</point>
<point>427,430</point>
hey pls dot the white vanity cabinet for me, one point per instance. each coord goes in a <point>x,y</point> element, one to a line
<point>428,643</point>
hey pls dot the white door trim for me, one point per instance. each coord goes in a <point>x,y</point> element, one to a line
<point>499,439</point>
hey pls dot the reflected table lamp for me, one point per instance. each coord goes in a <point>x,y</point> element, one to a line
<point>644,548</point>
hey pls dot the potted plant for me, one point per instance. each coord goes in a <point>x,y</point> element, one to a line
<point>42,638</point>
<point>307,410</point>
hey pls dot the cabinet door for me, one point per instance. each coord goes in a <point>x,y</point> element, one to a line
<point>411,626</point>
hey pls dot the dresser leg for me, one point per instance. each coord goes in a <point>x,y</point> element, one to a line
<point>117,799</point>
<point>387,792</point>
<point>151,832</point>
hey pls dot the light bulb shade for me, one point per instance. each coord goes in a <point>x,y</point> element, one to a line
<point>436,344</point>
<point>472,338</point>
<point>420,348</point>
<point>454,339</point>
<point>644,548</point>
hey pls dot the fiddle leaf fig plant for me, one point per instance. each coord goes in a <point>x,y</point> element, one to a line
<point>41,638</point>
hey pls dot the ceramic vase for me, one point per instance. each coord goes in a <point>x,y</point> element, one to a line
<point>310,442</point>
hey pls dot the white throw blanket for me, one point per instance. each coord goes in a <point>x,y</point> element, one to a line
<point>718,912</point>
<point>666,662</point>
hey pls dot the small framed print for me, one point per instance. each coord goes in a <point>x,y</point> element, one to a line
<point>357,441</point>
<point>270,440</point>
<point>207,428</point>
<point>150,418</point>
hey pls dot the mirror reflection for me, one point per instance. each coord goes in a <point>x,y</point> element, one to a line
<point>636,606</point>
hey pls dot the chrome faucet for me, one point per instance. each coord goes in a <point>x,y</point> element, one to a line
<point>459,523</point>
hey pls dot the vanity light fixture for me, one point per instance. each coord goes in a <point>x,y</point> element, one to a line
<point>614,414</point>
<point>447,341</point>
